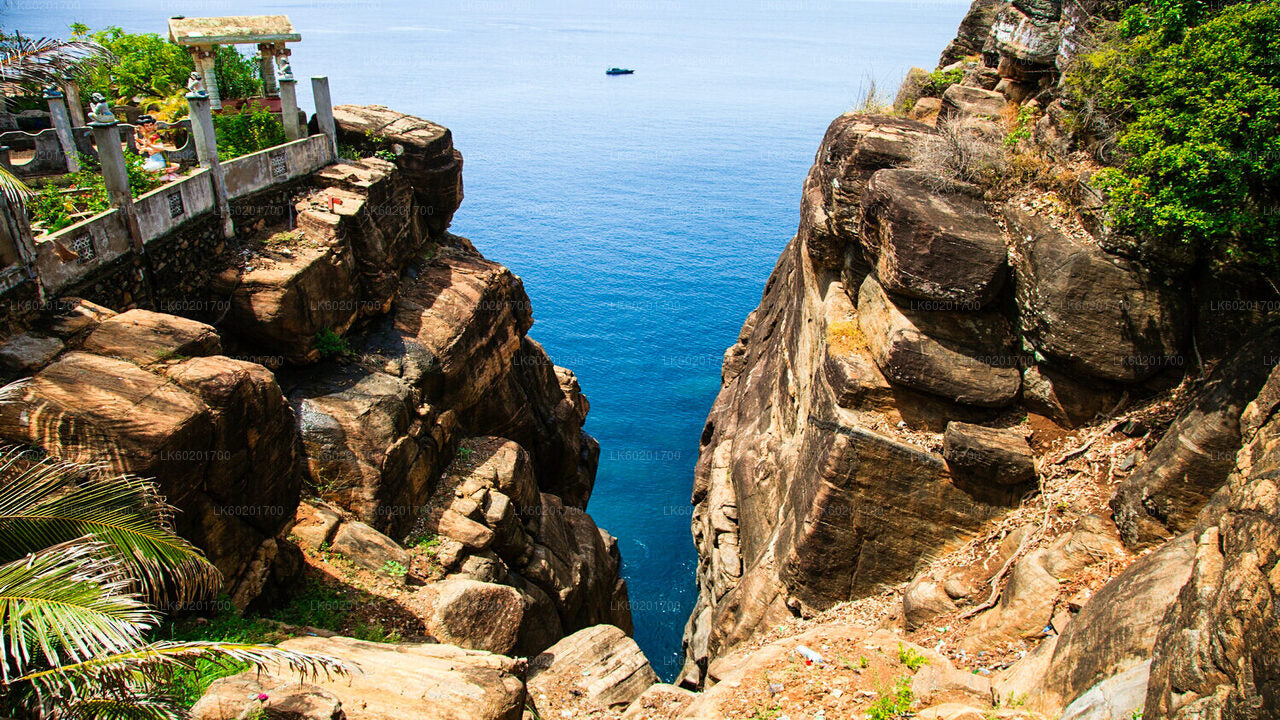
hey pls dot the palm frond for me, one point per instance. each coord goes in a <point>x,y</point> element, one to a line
<point>49,501</point>
<point>15,191</point>
<point>129,674</point>
<point>134,707</point>
<point>66,604</point>
<point>46,61</point>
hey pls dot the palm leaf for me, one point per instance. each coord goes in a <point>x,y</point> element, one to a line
<point>50,501</point>
<point>13,188</point>
<point>46,61</point>
<point>126,708</point>
<point>66,604</point>
<point>137,672</point>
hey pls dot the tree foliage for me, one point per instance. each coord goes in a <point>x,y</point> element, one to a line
<point>84,555</point>
<point>150,66</point>
<point>1196,97</point>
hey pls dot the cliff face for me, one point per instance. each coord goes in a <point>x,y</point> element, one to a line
<point>402,389</point>
<point>953,407</point>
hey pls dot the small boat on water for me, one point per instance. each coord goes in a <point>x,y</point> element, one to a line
<point>619,71</point>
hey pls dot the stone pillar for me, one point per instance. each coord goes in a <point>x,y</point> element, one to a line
<point>267,65</point>
<point>204,65</point>
<point>206,141</point>
<point>62,126</point>
<point>289,108</point>
<point>324,113</point>
<point>72,90</point>
<point>116,177</point>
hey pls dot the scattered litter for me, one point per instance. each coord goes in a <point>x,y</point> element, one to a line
<point>775,688</point>
<point>809,656</point>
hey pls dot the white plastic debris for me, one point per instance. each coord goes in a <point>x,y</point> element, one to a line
<point>809,655</point>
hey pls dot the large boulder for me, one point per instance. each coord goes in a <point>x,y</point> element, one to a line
<point>853,149</point>
<point>214,433</point>
<point>283,297</point>
<point>475,615</point>
<point>660,702</point>
<point>966,358</point>
<point>144,337</point>
<point>972,34</point>
<point>962,102</point>
<point>424,153</point>
<point>931,245</point>
<point>593,670</point>
<point>1198,451</point>
<point>1114,633</point>
<point>368,548</point>
<point>991,454</point>
<point>1214,656</point>
<point>1028,33</point>
<point>241,696</point>
<point>411,681</point>
<point>1092,312</point>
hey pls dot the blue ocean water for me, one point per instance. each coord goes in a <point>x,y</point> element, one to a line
<point>644,212</point>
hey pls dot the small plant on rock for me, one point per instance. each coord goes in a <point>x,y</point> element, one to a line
<point>895,703</point>
<point>394,569</point>
<point>911,658</point>
<point>329,344</point>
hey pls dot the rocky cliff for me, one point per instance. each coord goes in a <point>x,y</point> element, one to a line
<point>966,413</point>
<point>351,377</point>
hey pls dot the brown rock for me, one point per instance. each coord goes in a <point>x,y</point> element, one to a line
<point>474,615</point>
<point>1025,607</point>
<point>1070,402</point>
<point>1198,451</point>
<point>1115,631</point>
<point>144,337</point>
<point>963,357</point>
<point>854,148</point>
<point>409,681</point>
<point>282,305</point>
<point>942,682</point>
<point>215,434</point>
<point>1214,654</point>
<point>367,547</point>
<point>598,668</point>
<point>924,599</point>
<point>425,155</point>
<point>26,352</point>
<point>990,454</point>
<point>961,101</point>
<point>931,245</point>
<point>660,702</point>
<point>1092,312</point>
<point>315,523</point>
<point>233,698</point>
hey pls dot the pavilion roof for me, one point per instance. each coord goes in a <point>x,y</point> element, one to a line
<point>232,30</point>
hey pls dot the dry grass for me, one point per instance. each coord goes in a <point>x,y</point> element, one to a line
<point>845,337</point>
<point>962,151</point>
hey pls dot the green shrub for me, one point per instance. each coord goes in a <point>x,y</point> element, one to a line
<point>248,130</point>
<point>911,658</point>
<point>894,703</point>
<point>238,74</point>
<point>1195,98</point>
<point>940,80</point>
<point>55,209</point>
<point>146,65</point>
<point>330,343</point>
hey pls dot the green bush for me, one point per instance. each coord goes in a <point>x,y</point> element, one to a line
<point>1196,99</point>
<point>940,80</point>
<point>248,130</point>
<point>238,74</point>
<point>895,703</point>
<point>56,209</point>
<point>150,66</point>
<point>146,65</point>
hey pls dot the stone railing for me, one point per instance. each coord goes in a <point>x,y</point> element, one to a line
<point>59,260</point>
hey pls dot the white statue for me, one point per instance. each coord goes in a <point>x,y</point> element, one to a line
<point>99,110</point>
<point>195,85</point>
<point>285,71</point>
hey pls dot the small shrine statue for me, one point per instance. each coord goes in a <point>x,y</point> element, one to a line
<point>285,71</point>
<point>99,110</point>
<point>195,85</point>
<point>150,145</point>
